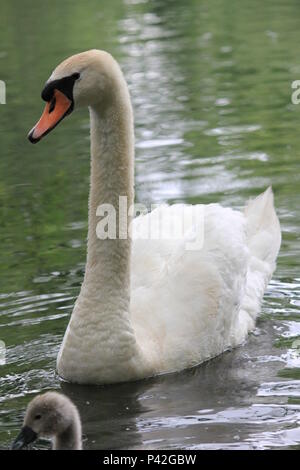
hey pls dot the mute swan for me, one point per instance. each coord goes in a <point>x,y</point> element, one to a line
<point>149,307</point>
<point>51,415</point>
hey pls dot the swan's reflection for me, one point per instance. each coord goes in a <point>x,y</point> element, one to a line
<point>109,413</point>
<point>149,413</point>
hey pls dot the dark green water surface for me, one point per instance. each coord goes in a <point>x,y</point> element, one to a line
<point>211,89</point>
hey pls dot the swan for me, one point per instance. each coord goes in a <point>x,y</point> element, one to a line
<point>51,415</point>
<point>151,306</point>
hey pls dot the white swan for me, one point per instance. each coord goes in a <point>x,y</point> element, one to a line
<point>51,415</point>
<point>151,306</point>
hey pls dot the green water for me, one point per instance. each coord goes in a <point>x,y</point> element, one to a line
<point>211,89</point>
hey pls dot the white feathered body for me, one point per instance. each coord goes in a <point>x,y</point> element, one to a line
<point>190,305</point>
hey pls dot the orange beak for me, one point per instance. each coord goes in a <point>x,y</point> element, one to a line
<point>55,110</point>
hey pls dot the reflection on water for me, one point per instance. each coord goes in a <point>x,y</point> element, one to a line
<point>214,122</point>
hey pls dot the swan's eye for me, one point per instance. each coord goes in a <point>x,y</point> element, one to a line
<point>37,416</point>
<point>76,75</point>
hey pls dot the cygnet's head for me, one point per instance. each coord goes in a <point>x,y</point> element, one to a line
<point>85,79</point>
<point>49,415</point>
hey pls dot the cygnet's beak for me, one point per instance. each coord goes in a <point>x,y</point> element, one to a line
<point>25,437</point>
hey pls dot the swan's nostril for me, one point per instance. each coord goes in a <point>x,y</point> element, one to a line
<point>52,105</point>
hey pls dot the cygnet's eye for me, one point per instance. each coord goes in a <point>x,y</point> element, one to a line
<point>37,416</point>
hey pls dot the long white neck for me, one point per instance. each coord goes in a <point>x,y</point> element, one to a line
<point>107,276</point>
<point>100,344</point>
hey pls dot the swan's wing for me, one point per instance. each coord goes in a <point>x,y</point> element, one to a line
<point>190,305</point>
<point>186,300</point>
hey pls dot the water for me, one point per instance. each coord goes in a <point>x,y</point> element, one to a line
<point>211,86</point>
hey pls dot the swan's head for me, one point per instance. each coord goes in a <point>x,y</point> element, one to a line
<point>47,415</point>
<point>81,80</point>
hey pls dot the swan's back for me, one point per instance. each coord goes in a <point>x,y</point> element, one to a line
<point>190,305</point>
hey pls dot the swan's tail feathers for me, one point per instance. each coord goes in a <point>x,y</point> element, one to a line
<point>264,238</point>
<point>263,228</point>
